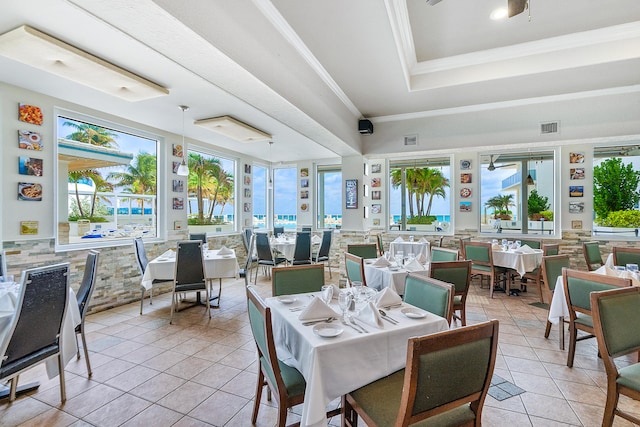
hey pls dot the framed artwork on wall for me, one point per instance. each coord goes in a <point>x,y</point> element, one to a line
<point>351,193</point>
<point>28,140</point>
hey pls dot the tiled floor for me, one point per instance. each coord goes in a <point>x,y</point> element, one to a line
<point>201,371</point>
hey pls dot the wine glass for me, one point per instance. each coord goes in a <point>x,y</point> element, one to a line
<point>399,257</point>
<point>344,301</point>
<point>632,267</point>
<point>518,244</point>
<point>327,293</point>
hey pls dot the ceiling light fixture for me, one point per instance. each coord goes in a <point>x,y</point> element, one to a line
<point>39,50</point>
<point>499,13</point>
<point>270,183</point>
<point>233,128</point>
<point>183,169</point>
<point>529,180</point>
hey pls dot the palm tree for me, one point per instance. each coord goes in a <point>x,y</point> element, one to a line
<point>396,181</point>
<point>201,178</point>
<point>223,187</point>
<point>495,203</point>
<point>100,185</point>
<point>139,176</point>
<point>92,134</point>
<point>431,182</point>
<point>507,201</point>
<point>76,177</point>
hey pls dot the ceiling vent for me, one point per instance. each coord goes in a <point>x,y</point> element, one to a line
<point>411,140</point>
<point>549,127</point>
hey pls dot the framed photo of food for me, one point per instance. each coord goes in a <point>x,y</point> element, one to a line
<point>29,191</point>
<point>30,114</point>
<point>28,140</point>
<point>465,192</point>
<point>29,166</point>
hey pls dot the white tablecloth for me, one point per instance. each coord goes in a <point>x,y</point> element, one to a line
<point>215,267</point>
<point>72,319</point>
<point>385,277</point>
<point>419,249</point>
<point>334,366</point>
<point>286,248</point>
<point>520,262</point>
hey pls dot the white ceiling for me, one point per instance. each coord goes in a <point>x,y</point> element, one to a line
<point>306,71</point>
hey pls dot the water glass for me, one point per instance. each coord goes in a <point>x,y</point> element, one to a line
<point>357,288</point>
<point>344,301</point>
<point>327,293</point>
<point>518,244</point>
<point>411,238</point>
<point>632,267</point>
<point>7,278</point>
<point>494,242</point>
<point>620,268</point>
<point>399,258</point>
<point>504,242</point>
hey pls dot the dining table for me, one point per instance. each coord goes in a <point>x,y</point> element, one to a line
<point>421,250</point>
<point>392,276</point>
<point>333,366</point>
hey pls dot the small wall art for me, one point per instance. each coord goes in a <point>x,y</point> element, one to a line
<point>376,195</point>
<point>465,178</point>
<point>465,164</point>
<point>576,224</point>
<point>376,208</point>
<point>376,222</point>
<point>376,168</point>
<point>304,207</point>
<point>28,227</point>
<point>30,114</point>
<point>375,182</point>
<point>576,173</point>
<point>304,183</point>
<point>304,194</point>
<point>576,207</point>
<point>247,168</point>
<point>351,193</point>
<point>176,165</point>
<point>178,203</point>
<point>576,157</point>
<point>177,150</point>
<point>247,206</point>
<point>576,190</point>
<point>29,166</point>
<point>304,172</point>
<point>465,206</point>
<point>247,193</point>
<point>247,180</point>
<point>28,140</point>
<point>178,186</point>
<point>465,192</point>
<point>29,191</point>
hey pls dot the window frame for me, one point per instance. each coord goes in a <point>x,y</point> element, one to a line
<point>319,194</point>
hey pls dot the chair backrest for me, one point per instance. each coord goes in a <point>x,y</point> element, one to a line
<point>578,285</point>
<point>306,229</point>
<point>297,279</point>
<point>479,253</point>
<point>198,236</point>
<point>278,230</point>
<point>355,268</point>
<point>263,247</point>
<point>443,254</point>
<point>439,377</point>
<point>247,263</point>
<point>246,237</point>
<point>591,252</point>
<point>432,295</point>
<point>141,254</point>
<point>3,263</point>
<point>325,245</point>
<point>363,250</point>
<point>380,247</point>
<point>302,251</point>
<point>458,273</point>
<point>551,249</point>
<point>189,263</point>
<point>88,282</point>
<point>533,244</point>
<point>624,256</point>
<point>552,266</point>
<point>36,326</point>
<point>461,242</point>
<point>261,327</point>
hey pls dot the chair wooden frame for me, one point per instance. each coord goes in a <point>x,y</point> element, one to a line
<point>280,273</point>
<point>453,253</point>
<point>491,272</point>
<point>589,253</point>
<point>536,274</point>
<point>360,249</point>
<point>380,247</point>
<point>460,291</point>
<point>461,242</point>
<point>429,281</point>
<point>625,252</point>
<point>546,287</point>
<point>610,349</point>
<point>576,305</point>
<point>419,349</point>
<point>354,259</point>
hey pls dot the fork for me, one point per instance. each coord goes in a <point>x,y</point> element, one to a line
<point>353,321</point>
<point>344,322</point>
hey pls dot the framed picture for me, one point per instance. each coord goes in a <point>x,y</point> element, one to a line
<point>576,157</point>
<point>178,186</point>
<point>304,183</point>
<point>576,224</point>
<point>28,227</point>
<point>465,192</point>
<point>376,221</point>
<point>247,193</point>
<point>176,165</point>
<point>304,207</point>
<point>28,140</point>
<point>576,207</point>
<point>247,168</point>
<point>375,182</point>
<point>247,206</point>
<point>376,168</point>
<point>304,172</point>
<point>351,193</point>
<point>29,166</point>
<point>465,178</point>
<point>247,180</point>
<point>29,191</point>
<point>30,114</point>
<point>465,206</point>
<point>576,190</point>
<point>304,194</point>
<point>376,208</point>
<point>465,164</point>
<point>376,195</point>
<point>178,203</point>
<point>576,173</point>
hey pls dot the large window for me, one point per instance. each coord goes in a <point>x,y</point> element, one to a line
<point>517,193</point>
<point>259,196</point>
<point>329,197</point>
<point>107,186</point>
<point>419,195</point>
<point>285,189</point>
<point>211,188</point>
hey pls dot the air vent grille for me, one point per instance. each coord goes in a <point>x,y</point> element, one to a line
<point>411,140</point>
<point>549,127</point>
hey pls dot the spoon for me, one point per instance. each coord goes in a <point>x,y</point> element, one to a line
<point>386,317</point>
<point>313,322</point>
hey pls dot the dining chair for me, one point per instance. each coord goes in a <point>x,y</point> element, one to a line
<point>592,256</point>
<point>198,236</point>
<point>432,295</point>
<point>481,256</point>
<point>551,267</point>
<point>189,273</point>
<point>325,250</point>
<point>550,249</point>
<point>380,247</point>
<point>306,229</point>
<point>34,332</point>
<point>297,279</point>
<point>247,232</point>
<point>302,250</point>
<point>626,255</point>
<point>286,383</point>
<point>458,273</point>
<point>354,266</point>
<point>277,231</point>
<point>143,261</point>
<point>438,387</point>
<point>248,264</point>
<point>461,242</point>
<point>533,244</point>
<point>364,250</point>
<point>536,274</point>
<point>266,259</point>
<point>616,320</point>
<point>83,297</point>
<point>443,254</point>
<point>577,287</point>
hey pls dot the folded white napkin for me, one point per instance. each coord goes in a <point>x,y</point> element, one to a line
<point>496,247</point>
<point>388,296</point>
<point>316,310</point>
<point>399,239</point>
<point>168,254</point>
<point>423,240</point>
<point>336,291</point>
<point>370,315</point>
<point>413,265</point>
<point>381,262</point>
<point>316,239</point>
<point>526,249</point>
<point>225,251</point>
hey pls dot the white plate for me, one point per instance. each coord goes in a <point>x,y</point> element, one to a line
<point>287,299</point>
<point>413,313</point>
<point>326,330</point>
<point>394,268</point>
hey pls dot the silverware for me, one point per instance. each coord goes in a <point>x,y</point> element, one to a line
<point>313,322</point>
<point>298,308</point>
<point>389,307</point>
<point>388,318</point>
<point>344,322</point>
<point>353,321</point>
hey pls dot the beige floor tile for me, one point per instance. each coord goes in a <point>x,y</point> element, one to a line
<point>154,415</point>
<point>21,410</point>
<point>191,422</point>
<point>189,367</point>
<point>550,408</point>
<point>243,385</point>
<point>217,375</point>
<point>132,378</point>
<point>219,408</point>
<point>90,400</point>
<point>51,418</point>
<point>186,397</point>
<point>536,384</point>
<point>117,411</point>
<point>157,387</point>
<point>164,360</point>
<point>500,417</point>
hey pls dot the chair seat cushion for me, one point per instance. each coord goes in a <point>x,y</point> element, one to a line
<point>381,401</point>
<point>292,378</point>
<point>584,319</point>
<point>481,267</point>
<point>202,286</point>
<point>29,360</point>
<point>457,300</point>
<point>630,376</point>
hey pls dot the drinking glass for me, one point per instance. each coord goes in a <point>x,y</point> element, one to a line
<point>327,293</point>
<point>344,301</point>
<point>632,267</point>
<point>504,242</point>
<point>411,238</point>
<point>399,258</point>
<point>518,244</point>
<point>7,278</point>
<point>494,242</point>
<point>357,288</point>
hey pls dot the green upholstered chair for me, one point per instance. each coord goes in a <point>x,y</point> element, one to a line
<point>355,268</point>
<point>380,247</point>
<point>578,285</point>
<point>297,279</point>
<point>591,252</point>
<point>616,320</point>
<point>551,267</point>
<point>432,295</point>
<point>438,387</point>
<point>536,274</point>
<point>624,256</point>
<point>533,244</point>
<point>551,249</point>
<point>364,250</point>
<point>458,273</point>
<point>481,256</point>
<point>442,254</point>
<point>461,242</point>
